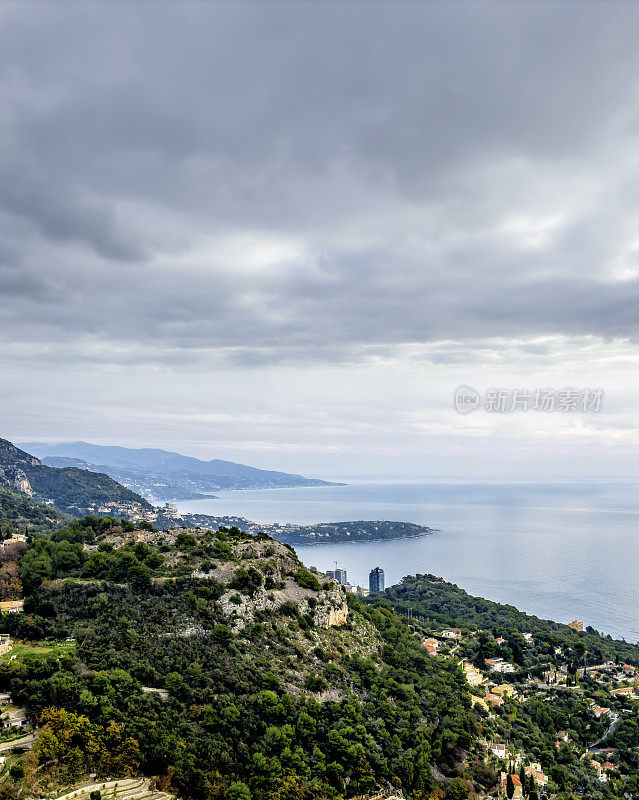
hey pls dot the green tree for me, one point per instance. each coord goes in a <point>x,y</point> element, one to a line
<point>523,779</point>
<point>140,575</point>
<point>184,541</point>
<point>174,683</point>
<point>307,580</point>
<point>457,790</point>
<point>238,790</point>
<point>35,567</point>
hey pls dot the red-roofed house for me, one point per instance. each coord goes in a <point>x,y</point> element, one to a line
<point>628,691</point>
<point>517,794</point>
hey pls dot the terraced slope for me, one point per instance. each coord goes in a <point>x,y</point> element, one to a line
<point>122,789</point>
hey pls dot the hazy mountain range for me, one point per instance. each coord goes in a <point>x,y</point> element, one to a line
<point>160,474</point>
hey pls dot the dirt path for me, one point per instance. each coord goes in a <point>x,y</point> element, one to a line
<point>23,741</point>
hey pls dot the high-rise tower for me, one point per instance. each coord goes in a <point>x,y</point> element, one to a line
<point>376,580</point>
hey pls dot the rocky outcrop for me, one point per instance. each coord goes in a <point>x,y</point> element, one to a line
<point>327,608</point>
<point>272,585</point>
<point>15,478</point>
<point>334,616</point>
<point>277,565</point>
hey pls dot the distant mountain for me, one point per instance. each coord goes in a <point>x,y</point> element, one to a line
<point>71,490</point>
<point>60,462</point>
<point>161,474</point>
<point>153,487</point>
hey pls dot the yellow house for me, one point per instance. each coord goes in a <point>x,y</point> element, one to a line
<point>479,701</point>
<point>504,690</point>
<point>11,606</point>
<point>494,699</point>
<point>473,675</point>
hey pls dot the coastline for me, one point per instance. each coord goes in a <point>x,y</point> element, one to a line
<point>311,543</point>
<point>300,535</point>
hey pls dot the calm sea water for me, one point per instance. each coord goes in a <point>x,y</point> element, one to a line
<point>561,551</point>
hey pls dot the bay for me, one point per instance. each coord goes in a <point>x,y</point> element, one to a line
<point>562,551</point>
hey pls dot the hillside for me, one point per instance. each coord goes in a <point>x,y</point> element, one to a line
<point>163,475</point>
<point>73,491</point>
<point>153,487</point>
<point>353,531</point>
<point>19,513</point>
<point>232,671</point>
<point>560,705</point>
<point>221,668</point>
<point>446,604</point>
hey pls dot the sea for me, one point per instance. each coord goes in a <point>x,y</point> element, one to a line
<point>562,551</point>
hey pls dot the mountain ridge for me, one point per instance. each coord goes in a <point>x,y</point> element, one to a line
<point>230,670</point>
<point>164,475</point>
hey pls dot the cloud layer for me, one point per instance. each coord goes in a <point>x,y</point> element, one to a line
<point>233,186</point>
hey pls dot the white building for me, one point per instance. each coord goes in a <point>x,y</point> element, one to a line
<point>499,750</point>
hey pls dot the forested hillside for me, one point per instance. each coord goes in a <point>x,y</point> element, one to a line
<point>220,666</point>
<point>73,491</point>
<point>19,514</point>
<point>275,687</point>
<point>447,604</point>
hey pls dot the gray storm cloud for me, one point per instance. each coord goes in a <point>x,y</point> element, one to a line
<point>429,171</point>
<point>189,185</point>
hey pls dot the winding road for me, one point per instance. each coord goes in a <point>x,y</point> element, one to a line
<point>595,748</point>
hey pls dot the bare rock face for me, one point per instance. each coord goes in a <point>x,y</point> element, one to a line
<point>326,608</point>
<point>16,479</point>
<point>336,617</point>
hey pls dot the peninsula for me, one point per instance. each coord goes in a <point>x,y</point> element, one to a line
<point>360,531</point>
<point>289,533</point>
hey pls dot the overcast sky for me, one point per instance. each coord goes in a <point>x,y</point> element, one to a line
<point>283,233</point>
